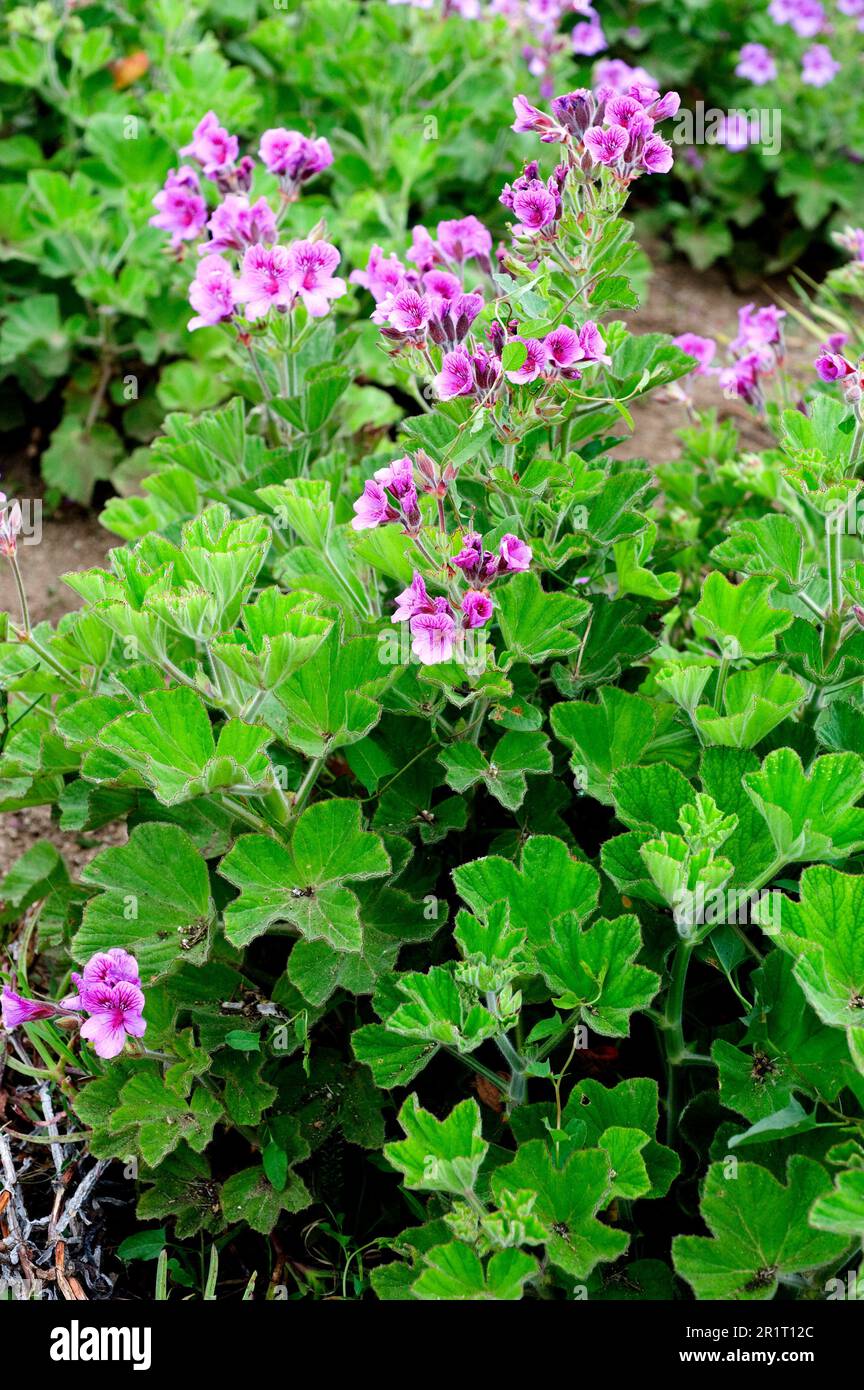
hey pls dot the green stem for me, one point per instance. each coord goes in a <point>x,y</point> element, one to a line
<point>673,1032</point>
<point>310,778</point>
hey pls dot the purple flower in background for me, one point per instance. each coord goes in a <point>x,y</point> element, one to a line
<point>10,527</point>
<point>619,76</point>
<point>656,157</point>
<point>756,64</point>
<point>515,555</point>
<point>851,7</point>
<point>742,378</point>
<point>212,146</point>
<point>310,275</point>
<point>852,240</point>
<point>424,251</point>
<point>758,328</point>
<point>433,634</point>
<point>465,239</point>
<point>736,132</point>
<point>831,366</point>
<point>17,1010</point>
<point>180,208</point>
<point>476,608</point>
<point>235,225</point>
<point>412,601</point>
<point>442,283</point>
<point>373,508</point>
<point>807,18</point>
<point>818,67</point>
<point>703,349</point>
<point>384,275</point>
<point>115,1014</point>
<point>535,361</point>
<point>606,146</point>
<point>456,377</point>
<point>292,155</point>
<point>213,293</point>
<point>588,37</point>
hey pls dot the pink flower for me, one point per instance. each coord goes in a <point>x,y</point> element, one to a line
<point>398,478</point>
<point>830,366</point>
<point>213,292</point>
<point>373,508</point>
<point>212,146</point>
<point>591,344</point>
<point>105,968</point>
<point>433,634</point>
<point>588,37</point>
<point>515,555</point>
<point>464,239</point>
<point>758,328</point>
<point>10,528</point>
<point>180,208</point>
<point>311,275</point>
<point>407,312</point>
<point>606,146</point>
<point>384,275</point>
<point>265,280</point>
<point>656,156</point>
<point>756,64</point>
<point>742,378</point>
<point>442,284</point>
<point>562,347</point>
<point>535,207</point>
<point>235,225</point>
<point>476,608</point>
<point>412,601</point>
<point>818,67</point>
<point>424,251</point>
<point>531,120</point>
<point>17,1010</point>
<point>535,361</point>
<point>703,349</point>
<point>619,76</point>
<point>292,155</point>
<point>456,377</point>
<point>115,1014</point>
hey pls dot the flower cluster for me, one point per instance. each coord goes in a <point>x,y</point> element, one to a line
<point>560,354</point>
<point>833,365</point>
<point>606,129</point>
<point>437,625</point>
<point>263,274</point>
<point>390,495</point>
<point>757,351</point>
<point>108,991</point>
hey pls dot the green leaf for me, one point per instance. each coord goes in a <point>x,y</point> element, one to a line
<point>437,1011</point>
<point>592,970</point>
<point>754,702</point>
<point>304,883</point>
<point>439,1155</point>
<point>330,701</point>
<point>842,1211</point>
<point>155,901</point>
<point>770,547</point>
<point>604,737</point>
<point>631,1105</point>
<point>810,816</point>
<point>548,883</point>
<point>738,617</point>
<point>824,931</point>
<point>250,1197</point>
<point>455,1272</point>
<point>569,1198</point>
<point>171,745</point>
<point>759,1232</point>
<point>536,625</point>
<point>162,1118</point>
<point>503,771</point>
<point>392,1059</point>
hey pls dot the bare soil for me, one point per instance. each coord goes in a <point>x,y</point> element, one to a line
<point>679,300</point>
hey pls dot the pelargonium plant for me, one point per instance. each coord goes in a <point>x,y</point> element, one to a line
<point>465,810</point>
